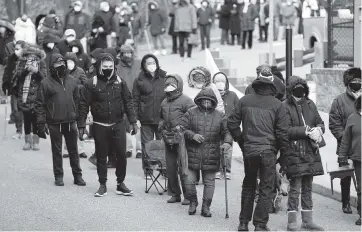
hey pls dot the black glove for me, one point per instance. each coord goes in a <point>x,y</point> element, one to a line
<point>5,89</point>
<point>134,129</point>
<point>43,131</point>
<point>343,161</point>
<point>81,133</point>
<point>194,31</point>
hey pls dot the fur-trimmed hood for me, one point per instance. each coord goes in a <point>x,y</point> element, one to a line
<point>293,81</point>
<point>154,2</point>
<point>33,50</point>
<point>200,70</point>
<point>351,74</point>
<point>7,24</point>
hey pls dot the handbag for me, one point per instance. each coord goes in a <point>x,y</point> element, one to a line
<point>89,120</point>
<point>193,39</point>
<point>171,138</point>
<point>322,143</point>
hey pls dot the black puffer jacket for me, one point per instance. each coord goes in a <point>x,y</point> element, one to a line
<point>109,99</point>
<point>212,125</point>
<point>29,105</point>
<point>148,93</point>
<point>264,121</point>
<point>174,107</point>
<point>302,158</point>
<point>56,99</point>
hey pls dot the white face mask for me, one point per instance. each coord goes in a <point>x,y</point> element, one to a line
<point>70,64</point>
<point>18,53</point>
<point>106,9</point>
<point>220,85</point>
<point>70,39</point>
<point>75,49</point>
<point>151,68</point>
<point>199,85</point>
<point>77,8</point>
<point>117,9</point>
<point>204,4</point>
<point>51,45</point>
<point>2,30</point>
<point>124,4</point>
<point>153,7</point>
<point>170,88</point>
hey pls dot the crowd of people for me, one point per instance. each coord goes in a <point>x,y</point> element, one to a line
<point>58,89</point>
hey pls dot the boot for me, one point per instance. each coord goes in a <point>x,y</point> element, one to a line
<point>193,204</point>
<point>28,142</point>
<point>292,221</point>
<point>59,181</point>
<point>307,221</point>
<point>205,209</point>
<point>174,199</point>
<point>185,202</point>
<point>261,228</point>
<point>78,180</point>
<point>243,226</point>
<point>36,143</point>
<point>346,208</point>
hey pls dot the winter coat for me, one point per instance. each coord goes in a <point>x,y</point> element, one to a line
<point>148,93</point>
<point>265,9</point>
<point>280,87</point>
<point>138,23</point>
<point>80,22</point>
<point>129,72</point>
<point>263,121</point>
<point>173,108</point>
<point>185,18</point>
<point>342,107</point>
<point>171,29</point>
<point>98,39</point>
<point>235,20</point>
<point>84,60</point>
<point>211,124</point>
<point>109,100</point>
<point>206,15</point>
<point>224,15</point>
<point>247,20</point>
<point>350,146</point>
<point>107,19</point>
<point>157,20</point>
<point>49,52</point>
<point>79,75</point>
<point>5,39</point>
<point>25,31</point>
<point>302,157</point>
<point>49,27</point>
<point>56,99</point>
<point>9,72</point>
<point>121,28</point>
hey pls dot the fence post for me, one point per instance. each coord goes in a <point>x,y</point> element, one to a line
<point>289,51</point>
<point>329,34</point>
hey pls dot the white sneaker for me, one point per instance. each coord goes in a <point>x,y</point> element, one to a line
<point>17,136</point>
<point>156,53</point>
<point>218,175</point>
<point>164,52</point>
<point>228,176</point>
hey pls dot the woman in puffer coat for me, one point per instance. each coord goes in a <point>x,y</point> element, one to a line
<point>25,30</point>
<point>205,129</point>
<point>302,161</point>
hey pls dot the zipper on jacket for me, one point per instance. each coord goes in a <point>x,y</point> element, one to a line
<point>203,145</point>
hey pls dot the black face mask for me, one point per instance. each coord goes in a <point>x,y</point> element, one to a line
<point>355,86</point>
<point>298,92</point>
<point>61,71</point>
<point>107,72</point>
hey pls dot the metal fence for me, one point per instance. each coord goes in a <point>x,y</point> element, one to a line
<point>340,32</point>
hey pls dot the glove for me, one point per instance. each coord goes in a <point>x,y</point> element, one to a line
<point>225,147</point>
<point>43,131</point>
<point>163,29</point>
<point>81,132</point>
<point>134,129</point>
<point>139,124</point>
<point>314,134</point>
<point>194,31</point>
<point>198,138</point>
<point>343,161</point>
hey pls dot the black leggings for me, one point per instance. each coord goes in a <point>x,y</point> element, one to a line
<point>30,123</point>
<point>250,38</point>
<point>183,40</point>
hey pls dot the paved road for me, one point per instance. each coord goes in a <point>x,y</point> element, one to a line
<point>30,201</point>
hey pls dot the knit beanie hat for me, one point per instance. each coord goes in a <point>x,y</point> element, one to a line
<point>265,73</point>
<point>260,67</point>
<point>71,56</point>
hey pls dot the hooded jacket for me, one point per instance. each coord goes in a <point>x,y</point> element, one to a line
<point>350,146</point>
<point>157,19</point>
<point>280,89</point>
<point>49,52</point>
<point>84,61</point>
<point>49,27</point>
<point>79,22</point>
<point>343,106</point>
<point>185,17</point>
<point>302,157</point>
<point>148,93</point>
<point>263,121</point>
<point>128,71</point>
<point>5,39</point>
<point>57,99</point>
<point>174,107</point>
<point>107,19</point>
<point>78,73</point>
<point>94,54</point>
<point>230,98</point>
<point>25,31</point>
<point>108,100</point>
<point>211,124</point>
<point>98,39</point>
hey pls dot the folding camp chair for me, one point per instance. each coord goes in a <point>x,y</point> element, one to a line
<point>155,161</point>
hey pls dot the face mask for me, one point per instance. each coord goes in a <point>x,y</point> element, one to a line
<point>204,4</point>
<point>70,64</point>
<point>107,72</point>
<point>50,45</point>
<point>298,92</point>
<point>151,68</point>
<point>220,85</point>
<point>170,88</point>
<point>2,30</point>
<point>124,4</point>
<point>199,85</point>
<point>75,49</point>
<point>70,39</point>
<point>106,9</point>
<point>61,71</point>
<point>18,53</point>
<point>153,7</point>
<point>117,9</point>
<point>355,86</point>
<point>206,104</point>
<point>77,8</point>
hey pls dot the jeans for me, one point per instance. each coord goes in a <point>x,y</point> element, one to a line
<point>265,163</point>
<point>105,139</point>
<point>30,124</point>
<point>250,39</point>
<point>228,156</point>
<point>237,38</point>
<point>224,37</point>
<point>172,169</point>
<point>17,114</point>
<point>183,42</point>
<point>205,34</point>
<point>80,145</point>
<point>70,133</point>
<point>155,40</point>
<point>130,142</point>
<point>357,170</point>
<point>209,185</point>
<point>263,32</point>
<point>148,133</point>
<point>346,189</point>
<point>174,43</point>
<point>300,186</point>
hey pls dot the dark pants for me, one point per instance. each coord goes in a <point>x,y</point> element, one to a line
<point>16,114</point>
<point>148,133</point>
<point>70,133</point>
<point>183,42</point>
<point>248,34</point>
<point>266,165</point>
<point>346,189</point>
<point>300,186</point>
<point>263,32</point>
<point>173,186</point>
<point>224,37</point>
<point>174,44</point>
<point>209,185</point>
<point>205,34</point>
<point>107,138</point>
<point>357,170</point>
<point>237,39</point>
<point>30,124</point>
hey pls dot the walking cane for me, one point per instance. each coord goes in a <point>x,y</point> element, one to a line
<point>226,184</point>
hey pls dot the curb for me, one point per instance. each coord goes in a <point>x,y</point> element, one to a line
<point>321,190</point>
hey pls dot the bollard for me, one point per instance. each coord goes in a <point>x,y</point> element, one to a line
<point>289,51</point>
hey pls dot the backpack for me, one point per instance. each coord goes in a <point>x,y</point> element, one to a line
<point>95,81</point>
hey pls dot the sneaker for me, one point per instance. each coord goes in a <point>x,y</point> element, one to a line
<point>123,190</point>
<point>83,155</point>
<point>102,191</point>
<point>66,156</point>
<point>129,154</point>
<point>164,52</point>
<point>139,155</point>
<point>18,136</point>
<point>228,176</point>
<point>218,175</point>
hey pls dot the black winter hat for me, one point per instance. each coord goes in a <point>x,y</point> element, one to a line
<point>71,56</point>
<point>351,74</point>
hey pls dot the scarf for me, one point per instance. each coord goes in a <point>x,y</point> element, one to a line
<point>26,87</point>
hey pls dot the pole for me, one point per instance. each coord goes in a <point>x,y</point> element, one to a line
<point>330,35</point>
<point>288,51</point>
<point>271,31</point>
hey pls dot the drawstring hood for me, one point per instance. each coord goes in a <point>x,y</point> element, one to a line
<point>175,81</point>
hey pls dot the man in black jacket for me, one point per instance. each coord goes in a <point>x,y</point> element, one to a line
<point>109,99</point>
<point>56,106</point>
<point>264,133</point>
